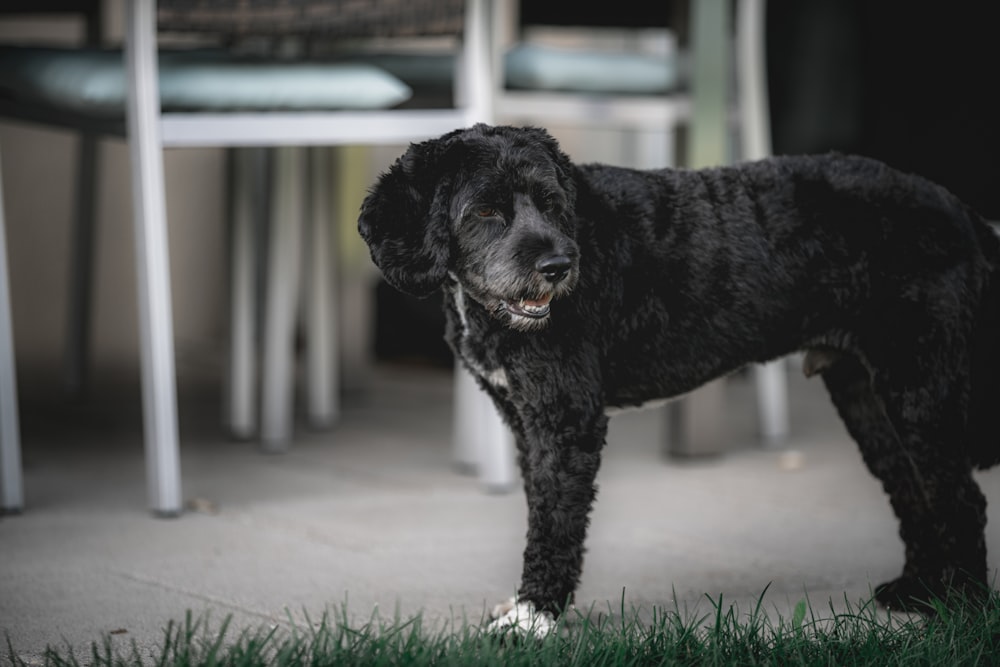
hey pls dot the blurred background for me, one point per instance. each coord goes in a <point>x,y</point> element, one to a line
<point>913,87</point>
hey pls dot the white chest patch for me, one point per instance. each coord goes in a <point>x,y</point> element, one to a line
<point>497,377</point>
<point>459,295</point>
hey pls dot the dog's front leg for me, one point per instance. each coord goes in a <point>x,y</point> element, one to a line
<point>559,466</point>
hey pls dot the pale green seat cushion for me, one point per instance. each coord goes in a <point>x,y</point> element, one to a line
<point>535,67</point>
<point>421,70</point>
<point>544,68</point>
<point>93,82</point>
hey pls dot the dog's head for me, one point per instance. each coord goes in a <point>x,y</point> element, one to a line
<point>492,207</point>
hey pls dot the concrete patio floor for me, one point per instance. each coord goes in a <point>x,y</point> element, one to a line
<point>373,514</point>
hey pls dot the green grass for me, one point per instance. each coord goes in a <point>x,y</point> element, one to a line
<point>724,635</point>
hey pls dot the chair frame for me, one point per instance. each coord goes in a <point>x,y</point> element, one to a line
<point>148,132</point>
<point>481,439</point>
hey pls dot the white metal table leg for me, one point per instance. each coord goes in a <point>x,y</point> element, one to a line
<point>159,391</point>
<point>755,115</point>
<point>474,79</point>
<point>482,443</point>
<point>11,489</point>
<point>496,469</point>
<point>465,430</point>
<point>481,440</point>
<point>755,132</point>
<point>284,260</point>
<point>248,179</point>
<point>772,401</point>
<point>698,427</point>
<point>81,285</point>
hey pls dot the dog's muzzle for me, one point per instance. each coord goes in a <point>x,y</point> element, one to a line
<point>554,268</point>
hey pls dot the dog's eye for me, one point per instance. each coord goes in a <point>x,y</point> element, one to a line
<point>486,212</point>
<point>550,204</point>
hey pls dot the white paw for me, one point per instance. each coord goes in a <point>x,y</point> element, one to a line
<point>521,618</point>
<point>502,608</point>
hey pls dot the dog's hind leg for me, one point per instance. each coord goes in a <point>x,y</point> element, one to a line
<point>940,508</point>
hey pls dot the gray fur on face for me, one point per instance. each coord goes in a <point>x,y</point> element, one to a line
<point>501,239</point>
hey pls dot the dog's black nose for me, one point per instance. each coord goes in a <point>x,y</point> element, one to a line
<point>554,267</point>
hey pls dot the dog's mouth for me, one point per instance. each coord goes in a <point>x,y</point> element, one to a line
<point>531,308</point>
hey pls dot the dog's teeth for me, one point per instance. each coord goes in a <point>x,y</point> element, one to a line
<point>533,307</point>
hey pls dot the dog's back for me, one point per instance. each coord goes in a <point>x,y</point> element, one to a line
<point>839,237</point>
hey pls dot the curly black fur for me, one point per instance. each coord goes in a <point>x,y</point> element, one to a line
<point>572,288</point>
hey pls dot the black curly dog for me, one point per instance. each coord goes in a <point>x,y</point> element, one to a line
<point>571,288</point>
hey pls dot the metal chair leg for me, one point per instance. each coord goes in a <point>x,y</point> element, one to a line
<point>482,441</point>
<point>81,284</point>
<point>284,260</point>
<point>11,488</point>
<point>321,294</point>
<point>159,391</point>
<point>249,177</point>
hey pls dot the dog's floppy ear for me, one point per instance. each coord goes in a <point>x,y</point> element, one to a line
<point>562,163</point>
<point>404,218</point>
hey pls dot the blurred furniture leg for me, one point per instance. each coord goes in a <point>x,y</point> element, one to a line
<point>300,204</point>
<point>81,274</point>
<point>249,173</point>
<point>696,428</point>
<point>755,138</point>
<point>281,299</point>
<point>152,261</point>
<point>698,432</point>
<point>322,372</point>
<point>328,104</point>
<point>481,442</point>
<point>772,401</point>
<point>496,471</point>
<point>11,487</point>
<point>467,431</point>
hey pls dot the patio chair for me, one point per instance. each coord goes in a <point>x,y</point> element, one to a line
<point>163,101</point>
